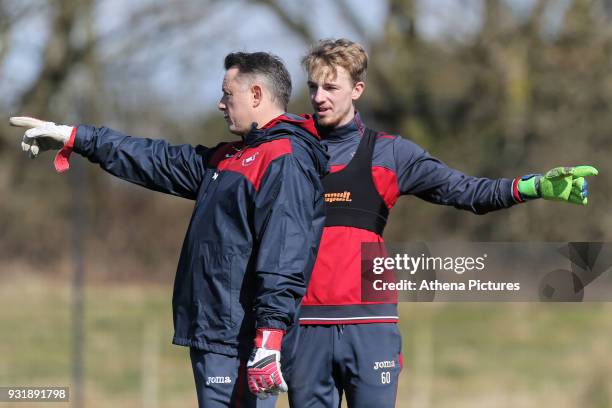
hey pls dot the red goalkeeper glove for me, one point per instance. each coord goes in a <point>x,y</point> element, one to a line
<point>264,368</point>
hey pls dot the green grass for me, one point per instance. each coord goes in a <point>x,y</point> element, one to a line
<point>507,355</point>
<point>127,327</point>
<point>456,355</point>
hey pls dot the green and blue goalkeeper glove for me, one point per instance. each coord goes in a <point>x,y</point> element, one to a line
<point>559,184</point>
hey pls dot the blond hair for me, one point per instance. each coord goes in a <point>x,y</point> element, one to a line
<point>324,57</point>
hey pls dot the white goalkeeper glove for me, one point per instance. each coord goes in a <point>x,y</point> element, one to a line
<point>42,136</point>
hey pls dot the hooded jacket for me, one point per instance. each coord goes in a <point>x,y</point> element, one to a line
<point>255,228</point>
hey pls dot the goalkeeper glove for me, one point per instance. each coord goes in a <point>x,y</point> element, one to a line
<point>560,184</point>
<point>42,136</point>
<point>264,368</point>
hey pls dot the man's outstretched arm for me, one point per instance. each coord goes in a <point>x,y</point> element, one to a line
<point>430,179</point>
<point>154,164</point>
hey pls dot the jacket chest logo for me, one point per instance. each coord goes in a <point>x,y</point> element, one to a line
<point>249,160</point>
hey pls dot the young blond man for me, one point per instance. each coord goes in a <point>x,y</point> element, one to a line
<point>348,345</point>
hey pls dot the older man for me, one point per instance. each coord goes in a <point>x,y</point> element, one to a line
<point>254,232</point>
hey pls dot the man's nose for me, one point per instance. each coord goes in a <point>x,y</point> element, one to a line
<point>221,105</point>
<point>317,95</point>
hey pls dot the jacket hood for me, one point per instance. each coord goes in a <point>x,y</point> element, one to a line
<point>300,126</point>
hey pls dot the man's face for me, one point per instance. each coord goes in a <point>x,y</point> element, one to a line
<point>236,102</point>
<point>332,96</point>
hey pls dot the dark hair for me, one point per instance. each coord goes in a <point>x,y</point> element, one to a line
<point>266,65</point>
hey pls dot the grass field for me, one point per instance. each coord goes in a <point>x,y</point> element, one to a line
<point>456,355</point>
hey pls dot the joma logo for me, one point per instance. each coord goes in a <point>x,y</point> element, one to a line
<point>384,364</point>
<point>218,380</point>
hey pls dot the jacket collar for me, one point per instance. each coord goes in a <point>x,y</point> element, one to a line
<point>304,122</point>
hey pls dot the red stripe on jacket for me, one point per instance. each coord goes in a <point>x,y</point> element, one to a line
<point>251,162</point>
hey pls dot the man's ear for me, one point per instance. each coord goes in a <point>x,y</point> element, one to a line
<point>257,95</point>
<point>358,89</point>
